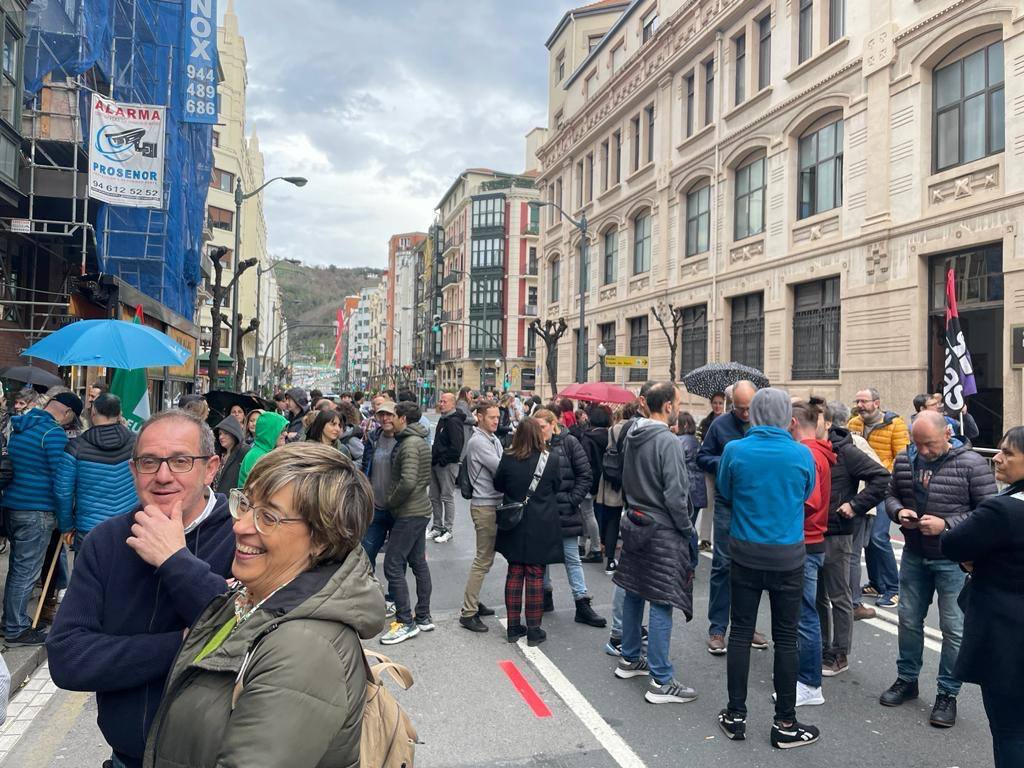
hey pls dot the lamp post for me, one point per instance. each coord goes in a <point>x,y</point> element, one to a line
<point>259,296</point>
<point>602,353</point>
<point>581,342</point>
<point>241,197</point>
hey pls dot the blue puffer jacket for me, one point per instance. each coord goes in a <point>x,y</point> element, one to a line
<point>95,479</point>
<point>36,447</point>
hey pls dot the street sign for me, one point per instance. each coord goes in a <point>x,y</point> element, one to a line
<point>625,361</point>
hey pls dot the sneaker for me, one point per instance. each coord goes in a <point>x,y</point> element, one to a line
<point>627,669</point>
<point>759,642</point>
<point>614,646</point>
<point>399,632</point>
<point>806,696</point>
<point>704,545</point>
<point>869,591</point>
<point>899,692</point>
<point>793,735</point>
<point>443,537</point>
<point>610,567</point>
<point>425,623</point>
<point>733,726</point>
<point>716,645</point>
<point>672,692</point>
<point>26,638</point>
<point>473,623</point>
<point>433,533</point>
<point>863,612</point>
<point>888,601</point>
<point>834,665</point>
<point>944,711</point>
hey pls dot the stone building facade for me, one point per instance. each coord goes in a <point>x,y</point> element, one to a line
<point>794,177</point>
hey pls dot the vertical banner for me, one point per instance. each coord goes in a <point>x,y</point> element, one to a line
<point>133,389</point>
<point>959,377</point>
<point>126,153</point>
<point>199,42</point>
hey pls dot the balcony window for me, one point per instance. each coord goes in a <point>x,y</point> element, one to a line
<point>816,322</point>
<point>220,218</point>
<point>741,69</point>
<point>607,333</point>
<point>555,275</point>
<point>642,243</point>
<point>709,91</point>
<point>638,338</point>
<point>698,220</point>
<point>611,255</point>
<point>805,33</point>
<point>690,104</point>
<point>746,332</point>
<point>821,169</point>
<point>836,20</point>
<point>969,112</point>
<point>694,338</point>
<point>764,51</point>
<point>488,252</point>
<point>222,180</point>
<point>488,212</point>
<point>749,202</point>
<point>650,25</point>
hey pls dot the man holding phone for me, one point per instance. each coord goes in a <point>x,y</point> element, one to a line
<point>936,484</point>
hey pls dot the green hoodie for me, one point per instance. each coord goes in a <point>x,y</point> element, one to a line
<point>268,428</point>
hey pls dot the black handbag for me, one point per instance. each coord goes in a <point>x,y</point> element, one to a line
<point>509,514</point>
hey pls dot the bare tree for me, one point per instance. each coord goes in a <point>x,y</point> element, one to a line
<point>676,314</point>
<point>254,323</point>
<point>220,292</point>
<point>550,332</point>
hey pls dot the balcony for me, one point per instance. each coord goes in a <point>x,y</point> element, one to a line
<point>533,228</point>
<point>530,310</point>
<point>451,315</point>
<point>450,279</point>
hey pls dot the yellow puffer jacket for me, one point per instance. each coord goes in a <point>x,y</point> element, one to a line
<point>887,438</point>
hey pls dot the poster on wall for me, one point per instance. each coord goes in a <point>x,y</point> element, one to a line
<point>126,153</point>
<point>200,76</point>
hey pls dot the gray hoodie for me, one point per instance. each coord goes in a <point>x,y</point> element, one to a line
<point>483,452</point>
<point>654,475</point>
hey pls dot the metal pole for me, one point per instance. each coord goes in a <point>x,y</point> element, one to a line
<point>239,198</point>
<point>257,362</point>
<point>581,342</point>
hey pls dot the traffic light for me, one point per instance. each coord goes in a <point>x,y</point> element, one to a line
<point>436,327</point>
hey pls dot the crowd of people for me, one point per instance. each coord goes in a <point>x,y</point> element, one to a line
<point>209,548</point>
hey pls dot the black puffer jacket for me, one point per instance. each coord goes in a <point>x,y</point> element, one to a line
<point>960,483</point>
<point>852,467</point>
<point>574,476</point>
<point>595,443</point>
<point>655,563</point>
<point>449,439</point>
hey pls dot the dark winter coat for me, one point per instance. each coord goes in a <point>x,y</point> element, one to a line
<point>723,430</point>
<point>537,540</point>
<point>231,465</point>
<point>960,483</point>
<point>94,480</point>
<point>449,439</point>
<point>36,448</point>
<point>852,467</point>
<point>595,443</point>
<point>655,563</point>
<point>993,601</point>
<point>574,480</point>
<point>410,474</point>
<point>698,488</point>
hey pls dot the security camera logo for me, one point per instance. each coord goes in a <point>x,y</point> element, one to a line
<point>121,145</point>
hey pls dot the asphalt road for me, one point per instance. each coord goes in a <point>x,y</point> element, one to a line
<point>469,713</point>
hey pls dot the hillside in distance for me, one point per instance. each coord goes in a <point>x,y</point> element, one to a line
<point>312,296</point>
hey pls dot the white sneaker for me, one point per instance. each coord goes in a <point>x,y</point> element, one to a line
<point>806,696</point>
<point>443,537</point>
<point>433,533</point>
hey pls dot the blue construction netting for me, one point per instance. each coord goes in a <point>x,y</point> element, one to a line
<point>136,46</point>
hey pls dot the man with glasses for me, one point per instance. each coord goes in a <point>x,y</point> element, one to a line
<point>141,579</point>
<point>36,448</point>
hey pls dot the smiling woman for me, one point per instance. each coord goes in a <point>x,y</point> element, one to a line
<point>306,596</point>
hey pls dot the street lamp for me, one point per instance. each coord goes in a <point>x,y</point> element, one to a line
<point>240,197</point>
<point>602,352</point>
<point>259,296</point>
<point>581,342</point>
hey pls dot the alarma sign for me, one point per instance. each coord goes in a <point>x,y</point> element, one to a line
<point>200,76</point>
<point>126,153</point>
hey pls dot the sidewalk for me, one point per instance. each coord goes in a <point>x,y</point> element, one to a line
<point>22,662</point>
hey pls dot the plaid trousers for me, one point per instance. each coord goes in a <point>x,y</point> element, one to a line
<point>532,576</point>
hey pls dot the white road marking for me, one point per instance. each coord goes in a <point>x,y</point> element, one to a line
<point>23,708</point>
<point>606,736</point>
<point>892,629</point>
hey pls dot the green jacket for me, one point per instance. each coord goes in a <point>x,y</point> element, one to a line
<point>410,474</point>
<point>268,428</point>
<point>301,704</point>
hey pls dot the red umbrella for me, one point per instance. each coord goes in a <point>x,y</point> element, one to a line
<point>599,392</point>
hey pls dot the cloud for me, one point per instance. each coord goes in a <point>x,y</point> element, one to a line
<point>381,105</point>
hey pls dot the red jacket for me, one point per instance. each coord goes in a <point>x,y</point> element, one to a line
<point>816,507</point>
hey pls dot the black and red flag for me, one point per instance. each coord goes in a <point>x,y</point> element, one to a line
<point>959,376</point>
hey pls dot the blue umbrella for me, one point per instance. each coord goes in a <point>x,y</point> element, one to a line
<point>109,343</point>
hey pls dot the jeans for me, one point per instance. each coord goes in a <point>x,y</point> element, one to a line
<point>834,593</point>
<point>442,495</point>
<point>573,569</point>
<point>608,521</point>
<point>859,539</point>
<point>376,534</point>
<point>785,590</point>
<point>718,601</point>
<point>1007,732</point>
<point>882,571</point>
<point>658,639</point>
<point>920,580</point>
<point>28,532</point>
<point>486,532</point>
<point>591,536</point>
<point>809,629</point>
<point>408,546</point>
<point>708,516</point>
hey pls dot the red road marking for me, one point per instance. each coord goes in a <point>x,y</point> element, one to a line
<point>535,702</point>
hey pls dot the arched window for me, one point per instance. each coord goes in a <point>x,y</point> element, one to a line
<point>556,273</point>
<point>821,167</point>
<point>642,242</point>
<point>968,108</point>
<point>751,184</point>
<point>698,218</point>
<point>611,255</point>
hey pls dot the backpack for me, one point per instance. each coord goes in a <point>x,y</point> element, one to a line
<point>464,481</point>
<point>611,464</point>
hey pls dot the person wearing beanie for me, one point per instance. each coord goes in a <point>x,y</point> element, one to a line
<point>296,402</point>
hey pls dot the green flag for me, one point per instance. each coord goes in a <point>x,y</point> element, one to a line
<point>131,388</point>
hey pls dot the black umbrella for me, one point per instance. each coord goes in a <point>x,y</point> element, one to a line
<point>221,401</point>
<point>29,374</point>
<point>715,377</point>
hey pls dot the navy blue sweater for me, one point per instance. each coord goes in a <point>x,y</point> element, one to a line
<point>723,430</point>
<point>121,622</point>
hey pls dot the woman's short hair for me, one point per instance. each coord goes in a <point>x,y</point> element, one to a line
<point>549,416</point>
<point>686,424</point>
<point>1014,438</point>
<point>321,419</point>
<point>328,492</point>
<point>527,439</point>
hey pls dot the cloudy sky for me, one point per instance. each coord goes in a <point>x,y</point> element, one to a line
<point>381,104</point>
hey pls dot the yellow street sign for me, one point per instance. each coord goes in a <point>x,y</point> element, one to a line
<point>625,361</point>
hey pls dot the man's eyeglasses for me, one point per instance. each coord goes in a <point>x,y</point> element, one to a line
<point>179,465</point>
<point>265,521</point>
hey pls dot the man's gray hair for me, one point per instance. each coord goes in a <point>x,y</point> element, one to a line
<point>207,442</point>
<point>873,392</point>
<point>771,407</point>
<point>837,412</point>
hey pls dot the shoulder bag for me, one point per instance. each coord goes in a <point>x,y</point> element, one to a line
<point>510,513</point>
